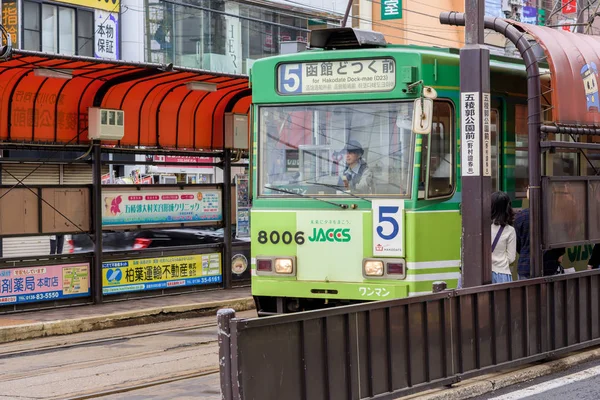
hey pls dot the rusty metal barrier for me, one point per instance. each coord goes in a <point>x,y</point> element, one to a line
<point>386,349</point>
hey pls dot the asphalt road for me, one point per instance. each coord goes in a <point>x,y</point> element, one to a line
<point>108,361</point>
<point>579,383</point>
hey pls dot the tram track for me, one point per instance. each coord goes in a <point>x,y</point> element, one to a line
<point>99,341</point>
<point>108,362</point>
<point>70,366</point>
<point>138,385</point>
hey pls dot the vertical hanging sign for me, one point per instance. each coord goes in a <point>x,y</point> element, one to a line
<point>569,6</point>
<point>10,20</point>
<point>242,206</point>
<point>487,140</point>
<point>470,135</point>
<point>391,9</point>
<point>106,35</point>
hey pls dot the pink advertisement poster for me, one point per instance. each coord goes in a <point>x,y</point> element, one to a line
<point>50,282</point>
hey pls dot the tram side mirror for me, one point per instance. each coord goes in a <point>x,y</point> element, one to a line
<point>423,111</point>
<point>422,116</point>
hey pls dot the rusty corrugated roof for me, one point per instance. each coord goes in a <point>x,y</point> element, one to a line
<point>574,60</point>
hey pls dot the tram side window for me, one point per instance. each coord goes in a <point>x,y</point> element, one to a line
<point>441,169</point>
<point>521,151</point>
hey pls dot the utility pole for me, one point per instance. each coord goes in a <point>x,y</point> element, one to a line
<point>475,148</point>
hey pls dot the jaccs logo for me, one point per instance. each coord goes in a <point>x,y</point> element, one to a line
<point>330,235</point>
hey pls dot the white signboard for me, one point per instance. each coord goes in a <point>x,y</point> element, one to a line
<point>388,227</point>
<point>375,75</point>
<point>469,134</point>
<point>487,137</point>
<point>135,207</point>
<point>106,35</point>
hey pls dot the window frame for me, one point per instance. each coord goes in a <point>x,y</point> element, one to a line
<point>77,10</point>
<point>453,145</point>
<point>259,179</point>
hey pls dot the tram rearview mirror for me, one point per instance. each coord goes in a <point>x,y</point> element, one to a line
<point>422,116</point>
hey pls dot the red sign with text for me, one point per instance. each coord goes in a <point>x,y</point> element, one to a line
<point>569,6</point>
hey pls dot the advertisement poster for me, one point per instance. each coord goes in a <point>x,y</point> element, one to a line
<point>160,273</point>
<point>106,43</point>
<point>52,282</point>
<point>529,15</point>
<point>153,207</point>
<point>242,207</point>
<point>10,19</point>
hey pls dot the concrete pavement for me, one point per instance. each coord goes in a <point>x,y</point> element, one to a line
<point>484,384</point>
<point>67,320</point>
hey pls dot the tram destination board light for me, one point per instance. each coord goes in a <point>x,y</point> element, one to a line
<point>53,73</point>
<point>204,86</point>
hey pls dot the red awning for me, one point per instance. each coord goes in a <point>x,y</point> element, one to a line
<point>574,60</point>
<point>160,111</point>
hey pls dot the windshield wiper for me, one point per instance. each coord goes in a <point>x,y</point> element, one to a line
<point>343,206</point>
<point>338,188</point>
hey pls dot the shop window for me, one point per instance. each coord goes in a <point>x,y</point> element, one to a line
<point>57,29</point>
<point>66,30</point>
<point>85,33</point>
<point>49,28</point>
<point>31,26</point>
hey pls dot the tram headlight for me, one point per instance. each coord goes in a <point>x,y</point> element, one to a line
<point>284,265</point>
<point>373,267</point>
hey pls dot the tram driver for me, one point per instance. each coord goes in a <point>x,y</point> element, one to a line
<point>356,177</point>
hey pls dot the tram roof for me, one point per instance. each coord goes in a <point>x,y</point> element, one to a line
<point>44,99</point>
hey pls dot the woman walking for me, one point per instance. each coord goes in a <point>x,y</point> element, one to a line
<point>504,239</point>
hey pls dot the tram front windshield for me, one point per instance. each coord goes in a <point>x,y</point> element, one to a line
<point>303,149</point>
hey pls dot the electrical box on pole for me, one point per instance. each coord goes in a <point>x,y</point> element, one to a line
<point>475,150</point>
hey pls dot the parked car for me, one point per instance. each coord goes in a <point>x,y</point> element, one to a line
<point>148,238</point>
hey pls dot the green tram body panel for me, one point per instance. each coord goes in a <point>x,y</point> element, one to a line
<point>333,270</point>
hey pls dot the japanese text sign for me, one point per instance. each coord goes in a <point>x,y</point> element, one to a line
<point>136,207</point>
<point>569,6</point>
<point>374,75</point>
<point>391,9</point>
<point>529,15</point>
<point>106,35</point>
<point>51,282</point>
<point>470,135</point>
<point>106,5</point>
<point>160,273</point>
<point>10,19</point>
<point>487,139</point>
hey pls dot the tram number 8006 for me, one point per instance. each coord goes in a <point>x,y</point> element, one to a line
<point>285,237</point>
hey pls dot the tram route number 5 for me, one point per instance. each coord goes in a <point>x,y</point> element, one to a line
<point>290,78</point>
<point>388,238</point>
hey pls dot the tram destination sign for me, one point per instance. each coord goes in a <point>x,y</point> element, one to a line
<point>344,76</point>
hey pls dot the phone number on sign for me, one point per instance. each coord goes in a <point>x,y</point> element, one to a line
<point>40,296</point>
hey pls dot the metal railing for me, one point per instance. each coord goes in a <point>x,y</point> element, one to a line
<point>386,349</point>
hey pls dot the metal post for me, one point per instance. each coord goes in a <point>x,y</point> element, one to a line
<point>97,222</point>
<point>348,8</point>
<point>534,107</point>
<point>439,286</point>
<point>475,163</point>
<point>227,218</point>
<point>224,316</point>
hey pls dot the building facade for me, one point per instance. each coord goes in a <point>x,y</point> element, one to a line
<point>216,35</point>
